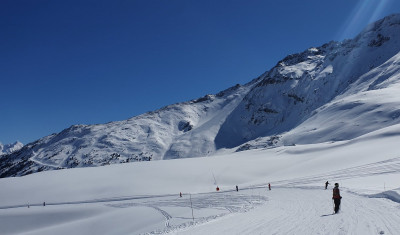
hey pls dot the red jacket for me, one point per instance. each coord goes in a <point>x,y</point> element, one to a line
<point>336,193</point>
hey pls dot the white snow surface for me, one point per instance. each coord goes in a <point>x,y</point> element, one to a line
<point>143,198</point>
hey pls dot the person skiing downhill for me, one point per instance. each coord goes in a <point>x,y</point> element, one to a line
<point>269,186</point>
<point>336,197</point>
<point>237,188</point>
<point>326,184</point>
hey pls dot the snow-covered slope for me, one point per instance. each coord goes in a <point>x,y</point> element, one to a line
<point>143,198</point>
<point>337,75</point>
<point>180,130</point>
<point>10,148</point>
<point>369,104</point>
<point>337,91</point>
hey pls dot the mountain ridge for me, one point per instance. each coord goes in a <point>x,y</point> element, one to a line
<point>300,83</point>
<point>286,105</point>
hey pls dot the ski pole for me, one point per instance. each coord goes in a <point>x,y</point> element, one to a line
<point>333,205</point>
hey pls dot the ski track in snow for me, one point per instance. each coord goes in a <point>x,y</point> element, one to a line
<point>388,166</point>
<point>310,207</point>
<point>33,159</point>
<point>165,214</point>
<point>225,202</point>
<point>309,212</point>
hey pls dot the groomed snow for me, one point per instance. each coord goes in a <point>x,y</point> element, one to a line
<point>143,198</point>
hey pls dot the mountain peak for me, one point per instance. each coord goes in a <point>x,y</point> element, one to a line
<point>290,92</point>
<point>385,23</point>
<point>10,148</point>
<point>301,100</point>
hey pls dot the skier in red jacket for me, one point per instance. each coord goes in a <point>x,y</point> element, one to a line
<point>336,197</point>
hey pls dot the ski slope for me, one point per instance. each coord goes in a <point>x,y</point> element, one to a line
<point>308,211</point>
<point>143,198</point>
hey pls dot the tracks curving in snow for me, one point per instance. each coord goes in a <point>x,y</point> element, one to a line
<point>33,159</point>
<point>388,166</point>
<point>206,206</point>
<point>308,211</point>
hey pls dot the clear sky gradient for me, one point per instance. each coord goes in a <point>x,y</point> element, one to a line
<point>87,62</point>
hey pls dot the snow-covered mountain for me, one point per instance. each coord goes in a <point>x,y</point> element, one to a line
<point>330,90</point>
<point>10,148</point>
<point>181,130</point>
<point>338,91</point>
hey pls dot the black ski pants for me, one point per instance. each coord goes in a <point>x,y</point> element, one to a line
<point>337,204</point>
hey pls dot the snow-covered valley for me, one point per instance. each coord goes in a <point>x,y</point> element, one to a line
<point>143,198</point>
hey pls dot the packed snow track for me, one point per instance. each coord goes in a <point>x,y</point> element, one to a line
<point>282,210</point>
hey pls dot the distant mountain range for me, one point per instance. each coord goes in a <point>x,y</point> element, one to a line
<point>338,91</point>
<point>10,148</point>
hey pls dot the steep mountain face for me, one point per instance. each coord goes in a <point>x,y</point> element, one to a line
<point>289,93</point>
<point>10,148</point>
<point>334,92</point>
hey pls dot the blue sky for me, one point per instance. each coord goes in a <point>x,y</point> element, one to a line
<point>87,62</point>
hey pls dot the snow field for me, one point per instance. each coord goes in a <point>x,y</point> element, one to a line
<point>308,211</point>
<point>79,219</point>
<point>143,198</point>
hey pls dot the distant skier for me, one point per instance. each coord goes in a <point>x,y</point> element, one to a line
<point>237,188</point>
<point>326,184</point>
<point>217,188</point>
<point>336,197</point>
<point>180,194</point>
<point>269,186</point>
<point>44,203</point>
